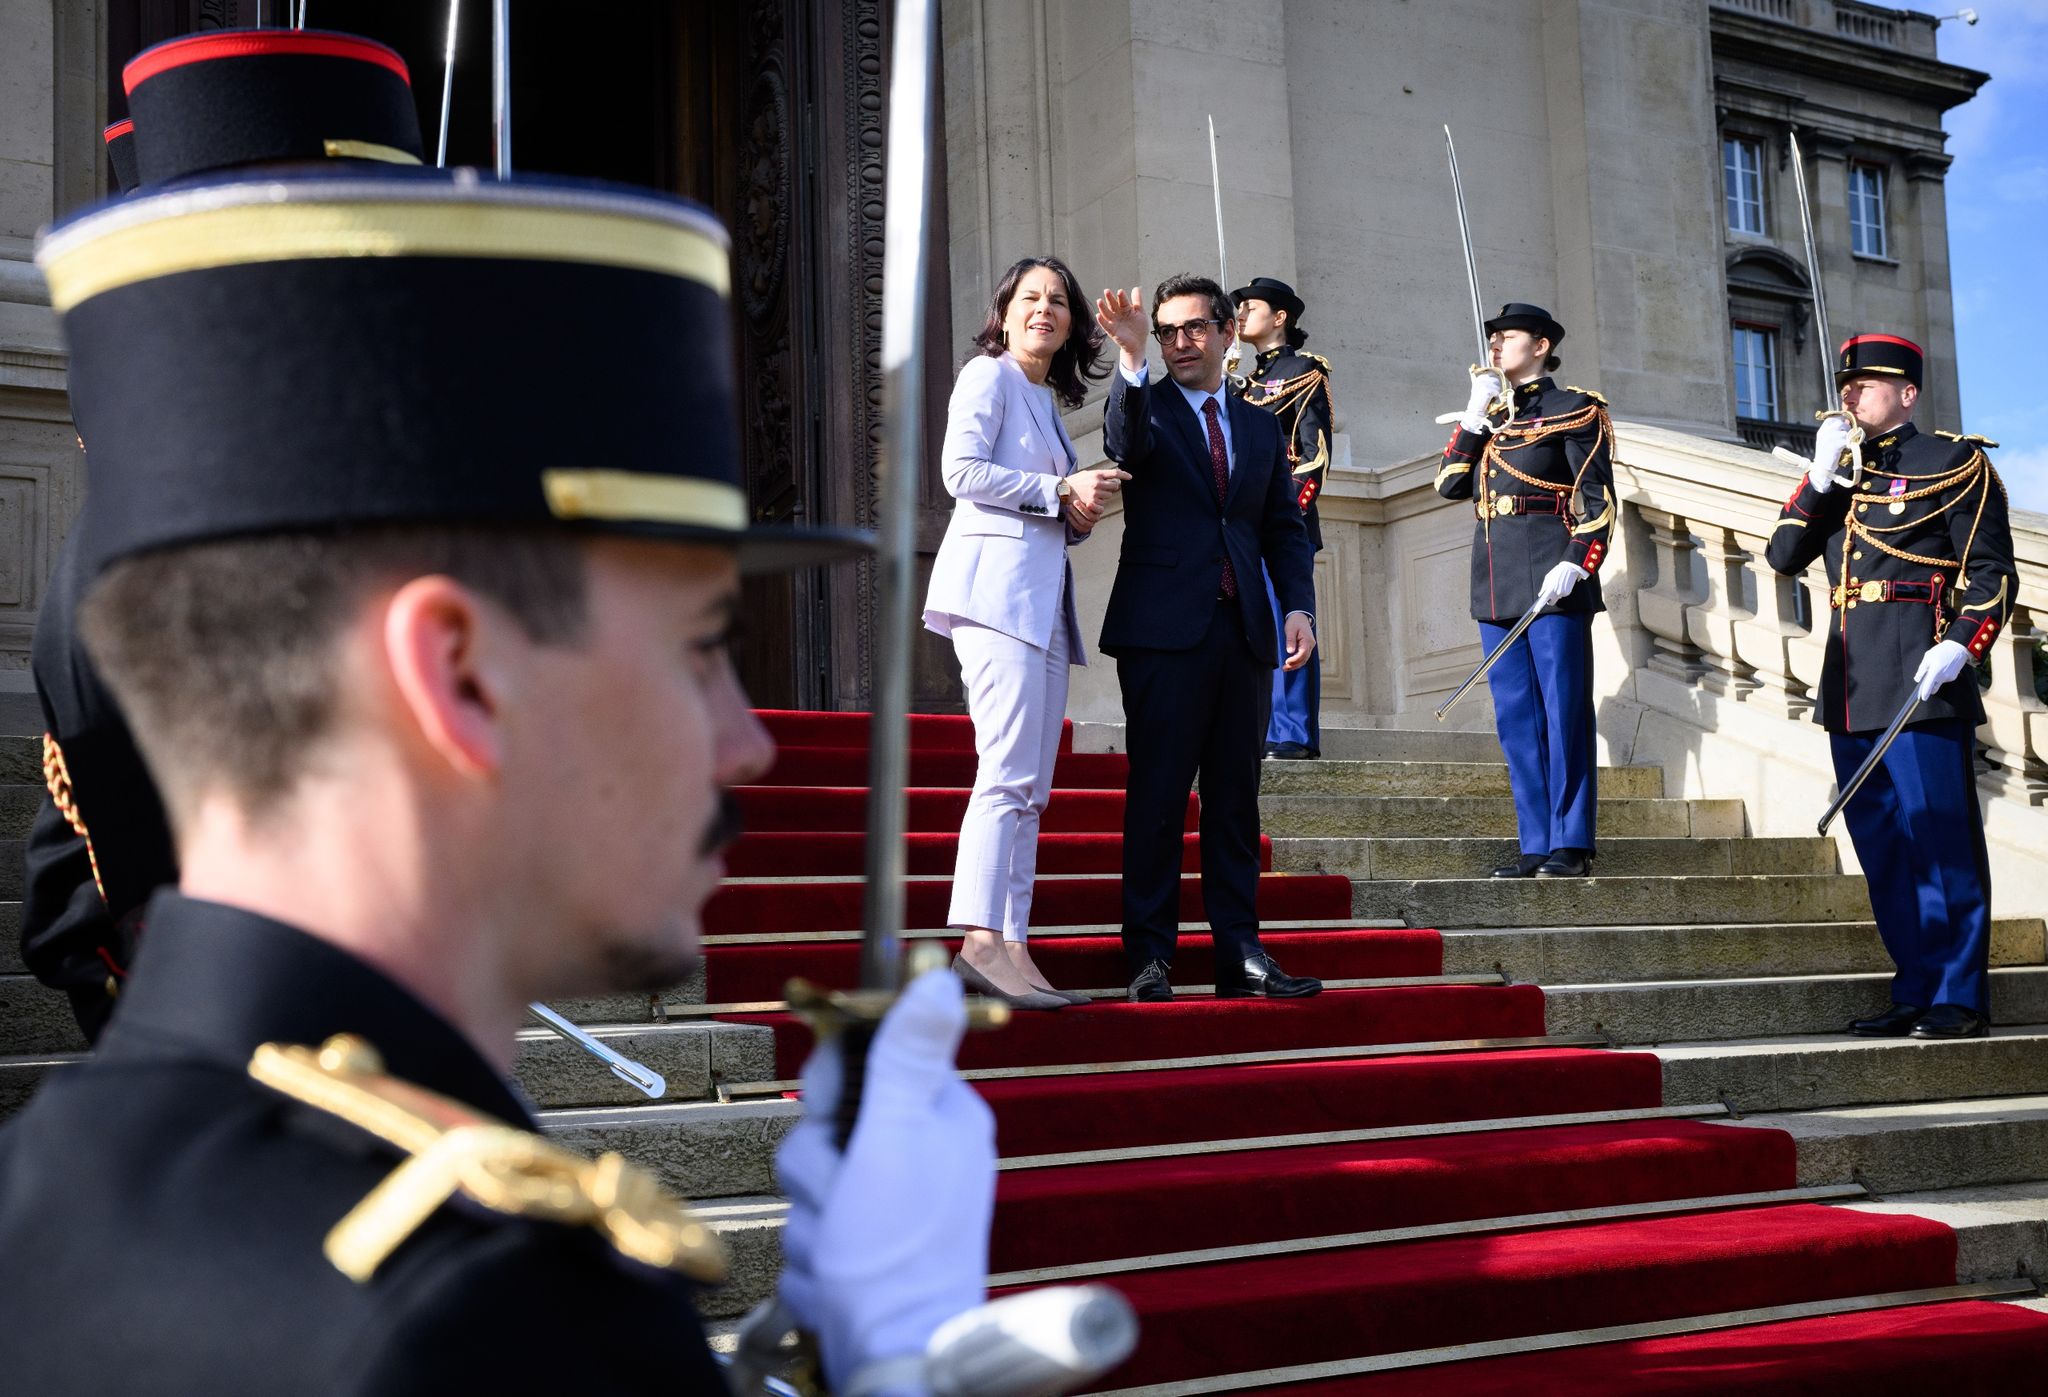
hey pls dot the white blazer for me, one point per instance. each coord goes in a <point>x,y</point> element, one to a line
<point>1003,563</point>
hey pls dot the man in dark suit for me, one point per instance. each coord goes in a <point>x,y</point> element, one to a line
<point>1210,501</point>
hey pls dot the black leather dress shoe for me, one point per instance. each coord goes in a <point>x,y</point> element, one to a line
<point>1152,986</point>
<point>1261,976</point>
<point>1566,863</point>
<point>1290,752</point>
<point>1951,1021</point>
<point>1895,1022</point>
<point>1522,867</point>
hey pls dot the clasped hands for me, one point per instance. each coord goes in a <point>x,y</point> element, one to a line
<point>1092,490</point>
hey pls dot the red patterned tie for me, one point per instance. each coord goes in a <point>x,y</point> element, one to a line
<point>1219,462</point>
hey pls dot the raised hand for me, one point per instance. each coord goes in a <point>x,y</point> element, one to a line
<point>1121,314</point>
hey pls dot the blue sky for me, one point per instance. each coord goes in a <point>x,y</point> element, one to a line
<point>1998,225</point>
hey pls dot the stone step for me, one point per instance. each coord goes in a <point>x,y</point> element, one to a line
<point>35,1018</point>
<point>1807,1073</point>
<point>1370,778</point>
<point>699,1149</point>
<point>1688,1011</point>
<point>1492,817</point>
<point>2001,1229</point>
<point>21,1074</point>
<point>10,938</point>
<point>18,805</point>
<point>1600,901</point>
<point>1919,1145</point>
<point>21,760</point>
<point>1419,859</point>
<point>1596,954</point>
<point>692,1058</point>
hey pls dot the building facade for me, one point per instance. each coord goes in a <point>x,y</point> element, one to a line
<point>1625,163</point>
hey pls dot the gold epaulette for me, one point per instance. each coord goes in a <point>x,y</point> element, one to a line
<point>1976,441</point>
<point>1596,396</point>
<point>452,1149</point>
<point>1317,359</point>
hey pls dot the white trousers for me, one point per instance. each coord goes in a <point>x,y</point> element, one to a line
<point>1017,696</point>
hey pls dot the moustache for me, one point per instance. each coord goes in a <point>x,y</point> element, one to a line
<point>726,826</point>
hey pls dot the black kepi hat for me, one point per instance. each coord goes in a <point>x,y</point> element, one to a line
<point>120,141</point>
<point>231,97</point>
<point>1519,315</point>
<point>1277,294</point>
<point>365,346</point>
<point>1879,354</point>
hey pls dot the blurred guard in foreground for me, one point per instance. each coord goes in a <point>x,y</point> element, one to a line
<point>221,100</point>
<point>418,589</point>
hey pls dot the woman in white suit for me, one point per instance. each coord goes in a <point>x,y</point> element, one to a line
<point>1003,592</point>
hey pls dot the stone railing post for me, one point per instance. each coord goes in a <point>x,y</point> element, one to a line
<point>1710,622</point>
<point>1663,604</point>
<point>2015,719</point>
<point>1766,636</point>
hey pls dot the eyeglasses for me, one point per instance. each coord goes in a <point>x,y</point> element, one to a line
<point>1195,330</point>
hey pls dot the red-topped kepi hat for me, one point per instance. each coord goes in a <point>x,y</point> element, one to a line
<point>239,97</point>
<point>120,139</point>
<point>1887,355</point>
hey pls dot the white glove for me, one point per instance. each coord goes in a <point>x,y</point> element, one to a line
<point>1486,386</point>
<point>1828,445</point>
<point>1558,583</point>
<point>1938,666</point>
<point>890,1240</point>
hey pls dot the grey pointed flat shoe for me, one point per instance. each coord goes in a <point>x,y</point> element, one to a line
<point>982,985</point>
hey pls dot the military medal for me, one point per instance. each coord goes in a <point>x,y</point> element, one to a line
<point>1897,506</point>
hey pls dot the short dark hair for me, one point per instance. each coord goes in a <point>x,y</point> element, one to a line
<point>1075,363</point>
<point>1186,284</point>
<point>223,654</point>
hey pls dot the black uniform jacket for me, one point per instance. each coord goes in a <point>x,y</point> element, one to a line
<point>1929,558</point>
<point>1295,387</point>
<point>162,1213</point>
<point>91,871</point>
<point>1542,486</point>
<point>1176,536</point>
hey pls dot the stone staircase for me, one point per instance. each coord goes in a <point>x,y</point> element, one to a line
<point>1733,959</point>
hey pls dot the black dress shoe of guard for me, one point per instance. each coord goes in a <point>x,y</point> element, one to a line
<point>1152,986</point>
<point>1290,752</point>
<point>1262,977</point>
<point>1522,867</point>
<point>1566,863</point>
<point>1895,1022</point>
<point>1951,1021</point>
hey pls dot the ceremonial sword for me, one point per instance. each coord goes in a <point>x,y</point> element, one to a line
<point>447,85</point>
<point>1826,342</point>
<point>1870,762</point>
<point>1513,635</point>
<point>1235,356</point>
<point>1506,400</point>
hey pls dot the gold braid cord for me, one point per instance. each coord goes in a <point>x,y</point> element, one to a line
<point>1290,392</point>
<point>452,1150</point>
<point>1974,477</point>
<point>57,777</point>
<point>1498,445</point>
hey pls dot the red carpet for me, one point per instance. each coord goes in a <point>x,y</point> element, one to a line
<point>929,732</point>
<point>1243,1315</point>
<point>744,974</point>
<point>848,766</point>
<point>1969,1346</point>
<point>1111,1110</point>
<point>1119,1031</point>
<point>806,809</point>
<point>777,854</point>
<point>1255,1314</point>
<point>1081,901</point>
<point>1094,1212</point>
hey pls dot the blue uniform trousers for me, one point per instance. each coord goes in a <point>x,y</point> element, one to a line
<point>1297,695</point>
<point>1543,711</point>
<point>1920,840</point>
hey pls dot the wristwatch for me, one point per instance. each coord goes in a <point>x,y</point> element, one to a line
<point>1065,489</point>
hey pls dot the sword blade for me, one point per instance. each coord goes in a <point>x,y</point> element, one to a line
<point>501,85</point>
<point>643,1079</point>
<point>1826,357</point>
<point>1216,189</point>
<point>447,85</point>
<point>1855,782</point>
<point>907,217</point>
<point>1513,635</point>
<point>1471,262</point>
